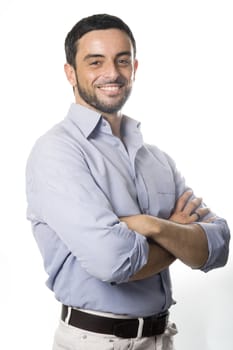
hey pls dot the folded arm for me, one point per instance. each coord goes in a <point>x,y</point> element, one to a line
<point>188,242</point>
<point>158,260</point>
<point>179,237</point>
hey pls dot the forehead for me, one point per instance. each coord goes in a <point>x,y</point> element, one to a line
<point>104,42</point>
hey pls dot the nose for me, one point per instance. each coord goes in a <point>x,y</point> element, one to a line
<point>111,70</point>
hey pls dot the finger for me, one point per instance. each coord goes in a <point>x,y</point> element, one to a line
<point>202,211</point>
<point>192,205</point>
<point>195,217</point>
<point>192,218</point>
<point>182,200</point>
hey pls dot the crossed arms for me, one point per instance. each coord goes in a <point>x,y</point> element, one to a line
<point>84,222</point>
<point>178,237</point>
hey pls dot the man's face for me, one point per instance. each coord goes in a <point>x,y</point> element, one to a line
<point>105,70</point>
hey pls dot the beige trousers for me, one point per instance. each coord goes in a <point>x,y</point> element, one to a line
<point>72,338</point>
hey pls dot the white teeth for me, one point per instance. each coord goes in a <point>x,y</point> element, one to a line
<point>109,88</point>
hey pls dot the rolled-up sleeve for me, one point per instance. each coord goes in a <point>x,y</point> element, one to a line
<point>62,193</point>
<point>218,236</point>
<point>217,232</point>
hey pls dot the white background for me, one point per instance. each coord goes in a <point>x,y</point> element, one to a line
<point>182,96</point>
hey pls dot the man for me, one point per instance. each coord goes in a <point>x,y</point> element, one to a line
<point>110,214</point>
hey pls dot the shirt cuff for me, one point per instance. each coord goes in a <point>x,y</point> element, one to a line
<point>218,237</point>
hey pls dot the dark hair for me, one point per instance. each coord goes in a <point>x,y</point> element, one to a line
<point>87,24</point>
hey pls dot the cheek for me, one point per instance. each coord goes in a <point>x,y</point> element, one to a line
<point>129,75</point>
<point>86,78</point>
<point>133,74</point>
<point>131,79</point>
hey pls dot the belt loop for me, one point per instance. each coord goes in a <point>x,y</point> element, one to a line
<point>140,327</point>
<point>68,314</point>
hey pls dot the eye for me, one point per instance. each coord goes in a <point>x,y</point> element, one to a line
<point>124,61</point>
<point>95,63</point>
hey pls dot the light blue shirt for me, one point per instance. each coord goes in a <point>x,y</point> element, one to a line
<point>80,180</point>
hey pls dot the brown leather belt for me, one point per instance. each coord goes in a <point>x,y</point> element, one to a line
<point>124,328</point>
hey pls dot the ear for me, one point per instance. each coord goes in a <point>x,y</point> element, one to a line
<point>70,74</point>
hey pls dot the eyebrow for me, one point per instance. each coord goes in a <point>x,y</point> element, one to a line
<point>123,53</point>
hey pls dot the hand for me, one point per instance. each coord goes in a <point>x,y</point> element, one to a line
<point>139,223</point>
<point>188,211</point>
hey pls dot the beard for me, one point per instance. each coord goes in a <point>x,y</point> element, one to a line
<point>105,107</point>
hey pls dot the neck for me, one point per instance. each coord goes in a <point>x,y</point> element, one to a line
<point>115,123</point>
<point>114,119</point>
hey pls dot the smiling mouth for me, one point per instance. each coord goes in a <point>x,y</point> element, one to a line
<point>111,88</point>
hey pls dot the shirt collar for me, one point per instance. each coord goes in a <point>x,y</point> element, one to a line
<point>87,120</point>
<point>130,125</point>
<point>84,118</point>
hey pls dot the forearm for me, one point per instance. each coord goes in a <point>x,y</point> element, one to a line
<point>187,242</point>
<point>158,260</point>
